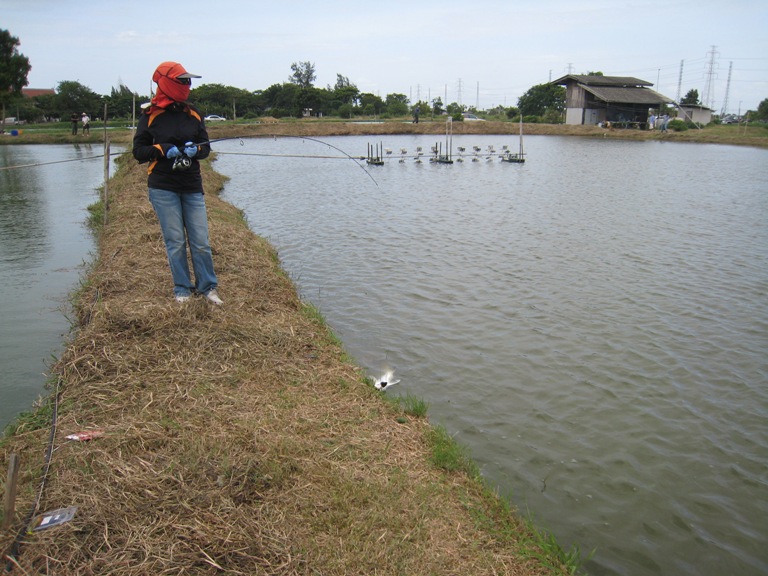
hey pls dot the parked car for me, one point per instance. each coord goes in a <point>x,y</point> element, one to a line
<point>473,118</point>
<point>214,118</point>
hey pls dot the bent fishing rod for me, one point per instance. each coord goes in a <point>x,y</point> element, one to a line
<point>276,136</point>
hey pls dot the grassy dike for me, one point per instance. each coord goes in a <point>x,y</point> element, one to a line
<point>239,439</point>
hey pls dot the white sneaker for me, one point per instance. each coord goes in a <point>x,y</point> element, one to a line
<point>214,297</point>
<point>182,299</point>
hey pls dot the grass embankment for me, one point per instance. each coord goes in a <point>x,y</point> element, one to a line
<point>240,439</point>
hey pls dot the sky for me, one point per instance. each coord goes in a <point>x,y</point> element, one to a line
<point>480,55</point>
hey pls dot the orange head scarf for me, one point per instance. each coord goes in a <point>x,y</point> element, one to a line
<point>173,84</point>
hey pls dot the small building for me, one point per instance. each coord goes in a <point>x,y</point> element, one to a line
<point>695,113</point>
<point>620,100</point>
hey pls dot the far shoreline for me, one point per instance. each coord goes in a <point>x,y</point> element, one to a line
<point>121,133</point>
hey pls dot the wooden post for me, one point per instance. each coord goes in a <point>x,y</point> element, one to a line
<point>106,178</point>
<point>9,510</point>
<point>105,200</point>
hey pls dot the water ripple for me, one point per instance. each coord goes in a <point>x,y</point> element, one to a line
<point>595,333</point>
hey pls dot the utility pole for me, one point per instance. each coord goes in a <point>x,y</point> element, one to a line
<point>459,100</point>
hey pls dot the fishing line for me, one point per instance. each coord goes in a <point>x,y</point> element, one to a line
<point>57,161</point>
<point>242,143</point>
<point>287,155</point>
<point>342,151</point>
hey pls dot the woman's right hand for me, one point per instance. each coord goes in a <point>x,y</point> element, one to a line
<point>172,152</point>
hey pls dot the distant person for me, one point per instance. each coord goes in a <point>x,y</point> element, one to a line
<point>416,115</point>
<point>172,138</point>
<point>75,121</point>
<point>86,124</point>
<point>652,122</point>
<point>664,122</point>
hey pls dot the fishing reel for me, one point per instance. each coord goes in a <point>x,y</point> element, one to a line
<point>182,163</point>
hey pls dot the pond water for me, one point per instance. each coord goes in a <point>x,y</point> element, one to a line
<point>44,246</point>
<point>592,324</point>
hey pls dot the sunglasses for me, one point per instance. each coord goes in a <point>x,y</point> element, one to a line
<point>187,81</point>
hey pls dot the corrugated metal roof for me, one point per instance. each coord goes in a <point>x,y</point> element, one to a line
<point>626,95</point>
<point>591,80</point>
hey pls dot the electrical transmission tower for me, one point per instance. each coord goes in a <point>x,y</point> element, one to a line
<point>727,90</point>
<point>680,82</point>
<point>709,95</point>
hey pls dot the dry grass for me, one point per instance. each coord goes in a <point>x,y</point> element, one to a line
<point>238,439</point>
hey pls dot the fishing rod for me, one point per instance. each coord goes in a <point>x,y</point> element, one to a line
<point>276,136</point>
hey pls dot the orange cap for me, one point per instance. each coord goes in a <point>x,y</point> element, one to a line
<point>172,70</point>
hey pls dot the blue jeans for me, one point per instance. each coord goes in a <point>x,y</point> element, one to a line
<point>183,218</point>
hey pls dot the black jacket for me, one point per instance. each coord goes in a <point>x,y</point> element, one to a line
<point>159,131</point>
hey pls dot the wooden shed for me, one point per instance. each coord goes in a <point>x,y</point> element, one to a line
<point>620,100</point>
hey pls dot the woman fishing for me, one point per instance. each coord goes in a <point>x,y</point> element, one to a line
<point>165,137</point>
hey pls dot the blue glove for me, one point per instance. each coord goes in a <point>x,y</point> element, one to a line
<point>172,152</point>
<point>190,149</point>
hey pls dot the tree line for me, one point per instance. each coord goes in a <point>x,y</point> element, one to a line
<point>296,97</point>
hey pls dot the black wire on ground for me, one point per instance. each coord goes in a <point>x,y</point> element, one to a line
<point>15,549</point>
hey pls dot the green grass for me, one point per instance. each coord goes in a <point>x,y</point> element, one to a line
<point>412,405</point>
<point>35,419</point>
<point>96,216</point>
<point>449,455</point>
<point>543,547</point>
